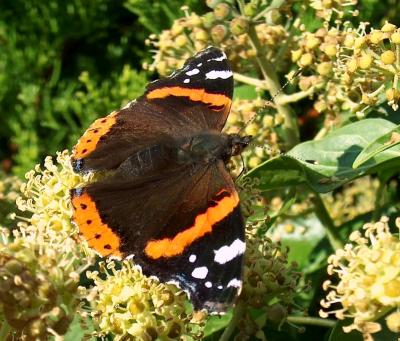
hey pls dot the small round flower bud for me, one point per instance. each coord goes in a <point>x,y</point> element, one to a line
<point>250,9</point>
<point>254,161</point>
<point>219,33</point>
<point>395,37</point>
<point>349,41</point>
<point>388,27</point>
<point>320,106</point>
<point>393,322</point>
<point>208,19</point>
<point>201,35</point>
<point>273,17</point>
<point>306,59</point>
<point>312,42</point>
<point>365,61</point>
<point>268,121</point>
<point>296,54</point>
<point>194,20</point>
<point>324,68</point>
<point>388,57</point>
<point>277,313</point>
<point>181,40</point>
<point>222,11</point>
<point>252,129</point>
<point>352,65</point>
<point>177,28</point>
<point>239,26</point>
<point>331,50</point>
<point>375,37</point>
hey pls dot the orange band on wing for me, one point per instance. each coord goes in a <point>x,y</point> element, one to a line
<point>98,235</point>
<point>196,95</point>
<point>169,247</point>
<point>88,142</point>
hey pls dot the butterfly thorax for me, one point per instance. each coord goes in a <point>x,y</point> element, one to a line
<point>210,146</point>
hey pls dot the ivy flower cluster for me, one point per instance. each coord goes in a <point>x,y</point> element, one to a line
<point>368,287</point>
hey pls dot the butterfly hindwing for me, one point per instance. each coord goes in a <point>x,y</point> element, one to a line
<point>177,227</point>
<point>171,106</point>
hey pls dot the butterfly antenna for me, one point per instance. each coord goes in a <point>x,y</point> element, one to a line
<point>271,101</point>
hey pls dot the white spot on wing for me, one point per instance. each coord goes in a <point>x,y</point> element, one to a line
<point>192,258</point>
<point>200,64</point>
<point>214,74</point>
<point>235,283</point>
<point>228,252</point>
<point>193,72</point>
<point>208,284</point>
<point>220,287</point>
<point>200,272</point>
<point>187,80</point>
<point>218,59</point>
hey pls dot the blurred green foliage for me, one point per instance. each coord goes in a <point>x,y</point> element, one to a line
<point>63,64</point>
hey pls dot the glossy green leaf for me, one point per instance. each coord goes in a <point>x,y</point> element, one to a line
<point>327,164</point>
<point>386,142</point>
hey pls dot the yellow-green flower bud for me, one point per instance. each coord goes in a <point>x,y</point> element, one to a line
<point>252,129</point>
<point>181,40</point>
<point>208,20</point>
<point>268,121</point>
<point>388,27</point>
<point>254,161</point>
<point>312,42</point>
<point>219,33</point>
<point>388,57</point>
<point>324,68</point>
<point>250,9</point>
<point>194,20</point>
<point>320,106</point>
<point>277,313</point>
<point>222,11</point>
<point>393,322</point>
<point>349,41</point>
<point>239,26</point>
<point>296,54</point>
<point>352,65</point>
<point>331,50</point>
<point>365,61</point>
<point>201,35</point>
<point>375,37</point>
<point>306,59</point>
<point>395,37</point>
<point>177,28</point>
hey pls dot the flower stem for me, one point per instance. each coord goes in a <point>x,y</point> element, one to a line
<point>237,316</point>
<point>327,222</point>
<point>312,321</point>
<point>378,202</point>
<point>271,79</point>
<point>250,80</point>
<point>4,330</point>
<point>297,96</point>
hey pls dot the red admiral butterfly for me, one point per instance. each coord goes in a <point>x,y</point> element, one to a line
<point>170,204</point>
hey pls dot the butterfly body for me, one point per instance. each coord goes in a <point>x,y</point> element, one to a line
<point>168,202</point>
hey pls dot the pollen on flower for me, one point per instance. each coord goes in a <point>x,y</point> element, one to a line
<point>368,272</point>
<point>129,305</point>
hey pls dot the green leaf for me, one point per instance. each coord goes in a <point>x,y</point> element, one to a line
<point>307,233</point>
<point>327,164</point>
<point>245,92</point>
<point>217,323</point>
<point>382,143</point>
